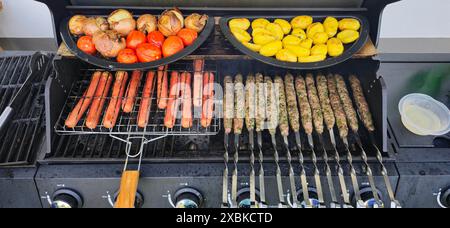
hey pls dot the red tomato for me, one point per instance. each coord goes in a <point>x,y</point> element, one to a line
<point>127,55</point>
<point>188,36</point>
<point>86,44</point>
<point>156,38</point>
<point>148,52</point>
<point>135,38</point>
<point>172,45</point>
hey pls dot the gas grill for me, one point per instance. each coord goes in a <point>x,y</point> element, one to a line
<point>82,167</point>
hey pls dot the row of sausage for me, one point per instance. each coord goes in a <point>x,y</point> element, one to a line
<point>171,95</point>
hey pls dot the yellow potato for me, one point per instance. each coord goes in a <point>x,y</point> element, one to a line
<point>319,49</point>
<point>276,30</point>
<point>348,36</point>
<point>335,47</point>
<point>300,33</point>
<point>301,21</point>
<point>260,23</point>
<point>286,55</point>
<point>252,46</point>
<point>262,39</point>
<point>240,23</point>
<point>291,40</point>
<point>307,43</point>
<point>271,48</point>
<point>312,58</point>
<point>241,35</point>
<point>349,24</point>
<point>284,25</point>
<point>331,26</point>
<point>313,29</point>
<point>260,31</point>
<point>299,51</point>
<point>320,38</point>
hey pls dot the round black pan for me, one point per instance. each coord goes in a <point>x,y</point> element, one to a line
<point>112,65</point>
<point>349,51</point>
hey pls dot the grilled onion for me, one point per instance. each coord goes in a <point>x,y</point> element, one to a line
<point>196,21</point>
<point>170,22</point>
<point>146,23</point>
<point>95,24</point>
<point>76,24</point>
<point>108,43</point>
<point>124,26</point>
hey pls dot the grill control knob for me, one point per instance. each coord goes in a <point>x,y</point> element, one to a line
<point>138,200</point>
<point>368,198</point>
<point>188,198</point>
<point>313,198</point>
<point>243,198</point>
<point>66,198</point>
<point>444,197</point>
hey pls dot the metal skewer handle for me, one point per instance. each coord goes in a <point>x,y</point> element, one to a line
<point>316,172</point>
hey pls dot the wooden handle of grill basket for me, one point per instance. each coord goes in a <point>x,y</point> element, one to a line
<point>128,189</point>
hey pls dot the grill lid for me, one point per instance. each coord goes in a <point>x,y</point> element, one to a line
<point>372,8</point>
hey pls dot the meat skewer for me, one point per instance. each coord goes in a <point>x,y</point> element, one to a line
<point>322,88</point>
<point>173,102</point>
<point>272,118</point>
<point>83,104</point>
<point>162,87</point>
<point>228,110</point>
<point>186,119</point>
<point>112,112</point>
<point>284,129</point>
<point>238,125</point>
<point>250,112</point>
<point>146,100</point>
<point>294,120</point>
<point>318,118</point>
<point>341,122</point>
<point>131,92</point>
<point>307,121</point>
<point>99,101</point>
<point>352,119</point>
<point>260,115</point>
<point>366,117</point>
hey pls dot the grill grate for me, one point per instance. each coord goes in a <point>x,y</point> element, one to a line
<point>18,144</point>
<point>127,122</point>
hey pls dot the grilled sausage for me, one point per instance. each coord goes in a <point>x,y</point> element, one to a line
<point>198,82</point>
<point>283,121</point>
<point>361,103</point>
<point>315,103</point>
<point>84,102</point>
<point>186,119</point>
<point>294,115</point>
<point>239,104</point>
<point>146,100</point>
<point>112,112</point>
<point>271,106</point>
<point>339,114</point>
<point>250,104</point>
<point>350,112</point>
<point>97,105</point>
<point>208,84</point>
<point>207,112</point>
<point>260,100</point>
<point>305,108</point>
<point>173,102</point>
<point>162,87</point>
<point>132,90</point>
<point>228,104</point>
<point>324,97</point>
